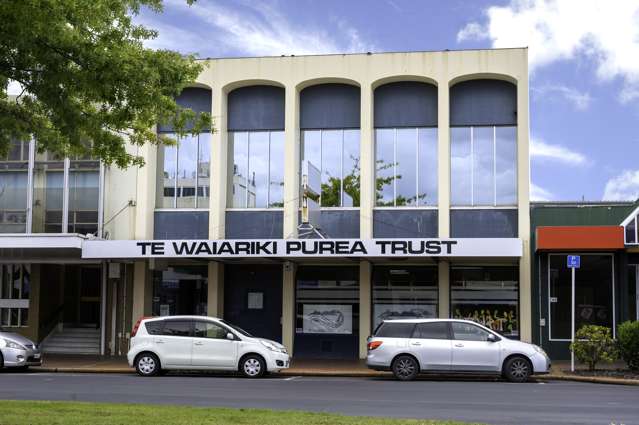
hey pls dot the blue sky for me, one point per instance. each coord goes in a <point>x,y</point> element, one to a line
<point>584,61</point>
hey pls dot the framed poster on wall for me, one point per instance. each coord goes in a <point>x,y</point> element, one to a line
<point>327,319</point>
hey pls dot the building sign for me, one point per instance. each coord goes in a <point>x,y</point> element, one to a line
<point>225,248</point>
<point>327,319</point>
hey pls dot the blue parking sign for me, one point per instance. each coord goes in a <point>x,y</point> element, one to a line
<point>574,261</point>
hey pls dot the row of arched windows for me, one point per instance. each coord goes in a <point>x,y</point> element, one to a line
<point>483,119</point>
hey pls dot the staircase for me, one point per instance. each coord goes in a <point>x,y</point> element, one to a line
<point>73,341</point>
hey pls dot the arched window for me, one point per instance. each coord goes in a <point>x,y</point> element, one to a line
<point>256,147</point>
<point>406,144</point>
<point>330,135</point>
<point>483,143</point>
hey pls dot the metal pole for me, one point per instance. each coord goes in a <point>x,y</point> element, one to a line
<point>572,321</point>
<point>103,307</point>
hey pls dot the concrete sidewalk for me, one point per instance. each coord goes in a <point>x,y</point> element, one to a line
<point>299,367</point>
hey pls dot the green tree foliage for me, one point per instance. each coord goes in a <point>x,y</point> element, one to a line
<point>594,344</point>
<point>628,343</point>
<point>89,83</point>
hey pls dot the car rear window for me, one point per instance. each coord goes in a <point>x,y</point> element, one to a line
<point>435,330</point>
<point>178,328</point>
<point>154,327</point>
<point>395,330</point>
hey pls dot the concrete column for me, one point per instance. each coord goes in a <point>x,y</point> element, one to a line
<point>146,189</point>
<point>291,162</point>
<point>288,306</point>
<point>365,304</point>
<point>523,196</point>
<point>444,289</point>
<point>367,163</point>
<point>219,161</point>
<point>142,291</point>
<point>443,160</point>
<point>215,300</point>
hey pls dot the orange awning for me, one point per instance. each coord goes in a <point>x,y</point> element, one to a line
<point>588,238</point>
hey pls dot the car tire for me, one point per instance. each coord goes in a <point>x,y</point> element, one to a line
<point>147,364</point>
<point>1,361</point>
<point>517,369</point>
<point>252,366</point>
<point>405,368</point>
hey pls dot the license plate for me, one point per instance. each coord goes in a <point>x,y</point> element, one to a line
<point>36,356</point>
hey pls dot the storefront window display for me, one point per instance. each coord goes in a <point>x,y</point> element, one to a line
<point>487,295</point>
<point>180,289</point>
<point>404,292</point>
<point>327,322</point>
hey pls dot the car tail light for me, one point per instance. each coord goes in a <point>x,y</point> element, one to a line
<point>373,345</point>
<point>137,325</point>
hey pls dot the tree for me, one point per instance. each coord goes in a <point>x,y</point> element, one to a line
<point>89,84</point>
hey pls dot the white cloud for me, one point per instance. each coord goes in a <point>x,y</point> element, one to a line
<point>14,88</point>
<point>624,187</point>
<point>250,28</point>
<point>539,194</point>
<point>604,31</point>
<point>472,31</point>
<point>542,150</point>
<point>580,100</point>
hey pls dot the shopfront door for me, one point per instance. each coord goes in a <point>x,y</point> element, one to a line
<point>82,286</point>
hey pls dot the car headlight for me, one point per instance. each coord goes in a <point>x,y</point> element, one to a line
<point>540,350</point>
<point>273,347</point>
<point>11,344</point>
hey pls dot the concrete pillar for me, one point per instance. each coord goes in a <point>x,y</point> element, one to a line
<point>288,306</point>
<point>523,196</point>
<point>443,160</point>
<point>215,300</point>
<point>146,189</point>
<point>291,162</point>
<point>365,304</point>
<point>219,161</point>
<point>142,291</point>
<point>367,163</point>
<point>443,268</point>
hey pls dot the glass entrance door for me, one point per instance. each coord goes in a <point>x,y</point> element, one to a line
<point>633,291</point>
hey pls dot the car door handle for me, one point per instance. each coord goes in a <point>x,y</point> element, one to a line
<point>416,343</point>
<point>459,345</point>
<point>159,341</point>
<point>198,343</point>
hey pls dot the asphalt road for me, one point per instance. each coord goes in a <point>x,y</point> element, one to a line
<point>492,402</point>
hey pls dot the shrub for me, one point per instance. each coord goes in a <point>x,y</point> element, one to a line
<point>594,344</point>
<point>628,343</point>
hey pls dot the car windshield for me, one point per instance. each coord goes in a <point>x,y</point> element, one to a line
<point>237,328</point>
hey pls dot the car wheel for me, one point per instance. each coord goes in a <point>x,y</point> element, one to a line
<point>147,364</point>
<point>405,368</point>
<point>252,366</point>
<point>517,369</point>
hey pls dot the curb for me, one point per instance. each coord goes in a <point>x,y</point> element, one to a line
<point>361,374</point>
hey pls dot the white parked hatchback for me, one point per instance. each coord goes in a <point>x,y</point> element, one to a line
<point>201,343</point>
<point>410,346</point>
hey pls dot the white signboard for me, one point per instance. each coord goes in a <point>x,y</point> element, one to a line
<point>327,319</point>
<point>383,312</point>
<point>296,248</point>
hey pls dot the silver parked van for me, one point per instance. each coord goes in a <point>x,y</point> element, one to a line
<point>410,346</point>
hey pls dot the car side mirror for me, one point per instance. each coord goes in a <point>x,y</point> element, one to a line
<point>492,338</point>
<point>230,336</point>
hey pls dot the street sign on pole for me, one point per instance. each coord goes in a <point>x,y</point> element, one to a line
<point>573,262</point>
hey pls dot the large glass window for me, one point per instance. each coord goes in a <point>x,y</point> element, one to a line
<point>406,166</point>
<point>487,295</point>
<point>336,154</point>
<point>84,194</point>
<point>256,179</point>
<point>483,166</point>
<point>15,288</point>
<point>48,193</point>
<point>180,289</point>
<point>404,292</point>
<point>13,188</point>
<point>593,293</point>
<point>186,172</point>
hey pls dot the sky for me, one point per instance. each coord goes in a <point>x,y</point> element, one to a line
<point>583,60</point>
